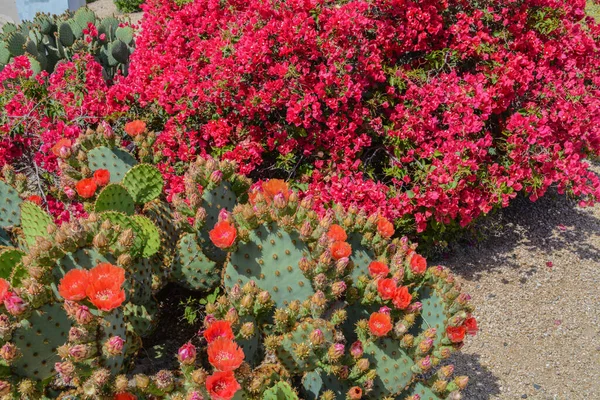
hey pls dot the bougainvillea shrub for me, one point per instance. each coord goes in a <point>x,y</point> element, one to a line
<point>430,111</point>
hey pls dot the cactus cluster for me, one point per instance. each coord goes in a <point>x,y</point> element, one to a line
<point>315,306</point>
<point>49,39</point>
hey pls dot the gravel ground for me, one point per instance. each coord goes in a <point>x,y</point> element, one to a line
<point>105,8</point>
<point>535,282</point>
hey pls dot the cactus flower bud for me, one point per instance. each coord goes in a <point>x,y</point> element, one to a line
<point>77,334</point>
<point>355,393</point>
<point>236,292</point>
<point>356,349</point>
<point>338,288</point>
<point>461,381</point>
<point>232,316</point>
<point>69,192</point>
<point>407,341</point>
<point>5,388</point>
<point>100,377</point>
<point>263,297</point>
<point>363,364</point>
<point>164,380</point>
<point>187,354</point>
<point>65,369</point>
<point>216,177</point>
<point>114,345</point>
<point>280,201</point>
<point>83,316</point>
<point>9,352</point>
<point>400,328</point>
<point>224,215</point>
<point>125,260</point>
<point>304,264</point>
<point>336,351</point>
<point>320,281</point>
<point>100,241</point>
<point>126,238</point>
<point>27,388</point>
<point>121,383</point>
<point>316,337</point>
<point>446,372</point>
<point>14,304</point>
<point>456,395</point>
<point>306,229</point>
<point>414,307</point>
<point>247,301</point>
<point>425,345</point>
<point>79,352</point>
<point>319,299</point>
<point>247,330</point>
<point>141,381</point>
<point>424,363</point>
<point>5,326</point>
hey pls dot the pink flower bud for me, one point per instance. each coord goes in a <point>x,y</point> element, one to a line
<point>279,201</point>
<point>79,352</point>
<point>108,130</point>
<point>71,194</point>
<point>83,316</point>
<point>14,304</point>
<point>424,363</point>
<point>414,307</point>
<point>316,337</point>
<point>114,345</point>
<point>9,352</point>
<point>209,319</point>
<point>356,349</point>
<point>187,354</point>
<point>216,177</point>
<point>385,310</point>
<point>338,288</point>
<point>102,36</point>
<point>224,215</point>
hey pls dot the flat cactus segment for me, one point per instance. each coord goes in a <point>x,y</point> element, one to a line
<point>433,314</point>
<point>251,346</point>
<point>152,234</point>
<point>10,211</point>
<point>34,221</point>
<point>83,259</point>
<point>114,325</point>
<point>38,338</point>
<point>127,222</point>
<point>271,259</point>
<point>116,161</point>
<point>421,390</point>
<point>139,282</point>
<point>84,16</point>
<point>314,383</point>
<point>191,268</point>
<point>125,34</point>
<point>9,259</point>
<point>286,352</point>
<point>216,199</point>
<point>361,257</point>
<point>140,318</point>
<point>281,391</point>
<point>144,182</point>
<point>115,197</point>
<point>392,364</point>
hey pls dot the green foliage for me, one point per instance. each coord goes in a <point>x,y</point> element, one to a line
<point>128,6</point>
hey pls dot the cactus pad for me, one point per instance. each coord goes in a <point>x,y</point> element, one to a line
<point>114,325</point>
<point>139,282</point>
<point>361,257</point>
<point>286,352</point>
<point>116,161</point>
<point>433,314</point>
<point>46,329</point>
<point>125,34</point>
<point>127,222</point>
<point>271,259</point>
<point>191,268</point>
<point>140,318</point>
<point>281,391</point>
<point>16,44</point>
<point>34,221</point>
<point>65,34</point>
<point>115,197</point>
<point>10,211</point>
<point>151,233</point>
<point>316,382</point>
<point>144,182</point>
<point>9,258</point>
<point>422,391</point>
<point>392,364</point>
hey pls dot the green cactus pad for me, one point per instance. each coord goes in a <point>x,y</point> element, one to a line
<point>125,34</point>
<point>215,200</point>
<point>393,366</point>
<point>75,28</point>
<point>31,48</point>
<point>116,161</point>
<point>4,53</point>
<point>251,346</point>
<point>420,389</point>
<point>115,197</point>
<point>314,383</point>
<point>144,182</point>
<point>83,259</point>
<point>300,335</point>
<point>433,314</point>
<point>16,44</point>
<point>127,222</point>
<point>120,51</point>
<point>44,21</point>
<point>34,221</point>
<point>151,233</point>
<point>9,28</point>
<point>114,325</point>
<point>9,259</point>
<point>191,268</point>
<point>140,318</point>
<point>84,16</point>
<point>361,256</point>
<point>38,338</point>
<point>281,391</point>
<point>34,65</point>
<point>10,211</point>
<point>65,34</point>
<point>271,259</point>
<point>109,26</point>
<point>139,282</point>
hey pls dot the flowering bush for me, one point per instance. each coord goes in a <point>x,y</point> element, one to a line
<point>428,112</point>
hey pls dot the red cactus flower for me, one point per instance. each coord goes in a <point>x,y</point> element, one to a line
<point>134,128</point>
<point>385,227</point>
<point>380,324</point>
<point>471,325</point>
<point>273,187</point>
<point>456,334</point>
<point>223,234</point>
<point>34,198</point>
<point>222,385</point>
<point>105,296</point>
<point>337,233</point>
<point>418,264</point>
<point>340,249</point>
<point>355,393</point>
<point>107,273</point>
<point>377,269</point>
<point>219,329</point>
<point>102,177</point>
<point>386,288</point>
<point>62,143</point>
<point>402,298</point>
<point>86,188</point>
<point>224,354</point>
<point>124,396</point>
<point>4,289</point>
<point>74,284</point>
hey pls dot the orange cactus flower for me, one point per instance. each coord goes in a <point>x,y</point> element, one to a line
<point>222,385</point>
<point>102,177</point>
<point>377,269</point>
<point>225,354</point>
<point>386,288</point>
<point>86,188</point>
<point>124,396</point>
<point>355,393</point>
<point>402,298</point>
<point>273,187</point>
<point>104,295</point>
<point>385,227</point>
<point>418,264</point>
<point>223,234</point>
<point>380,324</point>
<point>134,128</point>
<point>62,143</point>
<point>337,233</point>
<point>4,289</point>
<point>471,325</point>
<point>219,329</point>
<point>74,284</point>
<point>108,273</point>
<point>34,198</point>
<point>456,334</point>
<point>340,249</point>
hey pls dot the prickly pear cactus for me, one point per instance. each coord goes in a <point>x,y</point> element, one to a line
<point>191,268</point>
<point>10,211</point>
<point>116,161</point>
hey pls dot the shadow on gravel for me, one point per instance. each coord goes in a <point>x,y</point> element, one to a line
<point>552,223</point>
<point>482,383</point>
